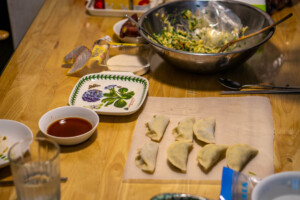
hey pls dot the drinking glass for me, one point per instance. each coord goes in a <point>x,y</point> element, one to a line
<point>35,168</point>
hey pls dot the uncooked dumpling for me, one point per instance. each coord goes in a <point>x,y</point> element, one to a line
<point>178,153</point>
<point>210,154</point>
<point>184,130</point>
<point>204,130</point>
<point>238,155</point>
<point>157,126</point>
<point>146,157</point>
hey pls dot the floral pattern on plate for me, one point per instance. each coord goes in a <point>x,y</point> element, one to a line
<point>111,93</point>
<point>4,146</point>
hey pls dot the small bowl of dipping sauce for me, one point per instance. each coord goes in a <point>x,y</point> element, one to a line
<point>69,125</point>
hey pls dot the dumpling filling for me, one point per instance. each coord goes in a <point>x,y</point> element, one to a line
<point>156,127</point>
<point>146,157</point>
<point>204,130</point>
<point>178,153</point>
<point>238,155</point>
<point>210,154</point>
<point>184,130</point>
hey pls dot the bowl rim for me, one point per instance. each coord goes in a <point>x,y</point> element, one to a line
<point>266,15</point>
<point>12,122</point>
<point>72,137</point>
<point>24,135</point>
<point>274,177</point>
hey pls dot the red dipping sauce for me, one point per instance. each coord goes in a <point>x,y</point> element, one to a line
<point>69,127</point>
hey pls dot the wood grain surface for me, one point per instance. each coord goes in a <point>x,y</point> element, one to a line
<point>35,81</point>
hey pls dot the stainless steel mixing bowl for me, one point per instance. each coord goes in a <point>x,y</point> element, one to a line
<point>249,15</point>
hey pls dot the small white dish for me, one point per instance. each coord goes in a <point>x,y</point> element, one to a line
<point>110,93</point>
<point>280,186</point>
<point>117,28</point>
<point>10,133</point>
<point>122,57</point>
<point>69,111</point>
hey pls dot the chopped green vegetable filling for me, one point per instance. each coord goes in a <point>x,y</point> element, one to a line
<point>198,36</point>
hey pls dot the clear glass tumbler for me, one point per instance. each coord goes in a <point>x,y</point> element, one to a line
<point>35,168</point>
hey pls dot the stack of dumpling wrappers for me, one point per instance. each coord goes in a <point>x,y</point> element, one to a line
<point>199,139</point>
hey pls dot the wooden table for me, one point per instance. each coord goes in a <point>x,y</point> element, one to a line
<point>34,82</point>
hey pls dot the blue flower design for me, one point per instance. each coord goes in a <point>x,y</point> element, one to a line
<point>92,95</point>
<point>110,87</point>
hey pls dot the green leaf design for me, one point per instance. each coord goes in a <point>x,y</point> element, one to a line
<point>128,95</point>
<point>99,106</point>
<point>123,90</point>
<point>120,103</point>
<point>108,101</point>
<point>112,94</point>
<point>118,98</point>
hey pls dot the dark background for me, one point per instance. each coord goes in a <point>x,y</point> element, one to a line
<point>6,46</point>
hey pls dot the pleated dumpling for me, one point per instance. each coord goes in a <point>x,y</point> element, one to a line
<point>157,126</point>
<point>146,157</point>
<point>184,129</point>
<point>204,130</point>
<point>178,153</point>
<point>238,155</point>
<point>210,154</point>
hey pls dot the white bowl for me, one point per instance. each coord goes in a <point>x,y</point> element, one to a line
<point>117,28</point>
<point>13,131</point>
<point>69,111</point>
<point>280,186</point>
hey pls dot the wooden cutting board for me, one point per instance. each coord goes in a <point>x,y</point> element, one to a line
<point>238,120</point>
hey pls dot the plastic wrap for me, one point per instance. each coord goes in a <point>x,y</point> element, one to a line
<point>236,185</point>
<point>220,17</point>
<point>109,56</point>
<point>82,56</point>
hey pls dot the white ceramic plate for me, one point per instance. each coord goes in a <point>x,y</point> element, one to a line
<point>117,28</point>
<point>110,93</point>
<point>10,133</point>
